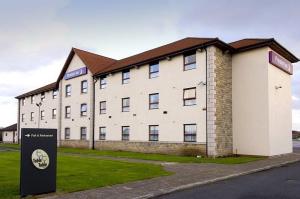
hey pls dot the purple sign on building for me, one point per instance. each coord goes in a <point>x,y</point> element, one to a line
<point>280,62</point>
<point>76,73</point>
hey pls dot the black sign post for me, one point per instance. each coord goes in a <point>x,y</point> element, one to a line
<point>38,161</point>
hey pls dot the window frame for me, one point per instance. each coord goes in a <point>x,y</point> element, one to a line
<point>69,135</point>
<point>42,114</point>
<point>67,115</point>
<point>153,103</point>
<point>189,99</point>
<point>125,80</point>
<point>103,85</point>
<point>83,89</point>
<point>125,135</point>
<point>23,101</point>
<point>153,72</point>
<point>22,117</point>
<point>154,134</point>
<point>102,134</point>
<point>124,107</point>
<point>81,134</point>
<point>31,116</point>
<point>43,96</point>
<point>68,94</point>
<point>54,113</point>
<point>83,113</point>
<point>102,110</point>
<point>54,94</point>
<point>188,64</point>
<point>32,99</point>
<point>190,134</point>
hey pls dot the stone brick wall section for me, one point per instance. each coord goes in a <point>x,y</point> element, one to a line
<point>219,104</point>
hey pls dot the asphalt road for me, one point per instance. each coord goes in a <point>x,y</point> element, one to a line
<point>277,183</point>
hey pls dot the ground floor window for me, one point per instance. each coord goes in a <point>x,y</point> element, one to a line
<point>67,133</point>
<point>83,133</point>
<point>125,132</point>
<point>190,132</point>
<point>102,133</point>
<point>153,133</point>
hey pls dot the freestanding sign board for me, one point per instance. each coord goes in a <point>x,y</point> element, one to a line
<point>38,161</point>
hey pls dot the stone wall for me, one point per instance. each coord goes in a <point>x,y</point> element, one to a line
<point>219,105</point>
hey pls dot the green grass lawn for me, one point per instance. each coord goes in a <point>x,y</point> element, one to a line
<point>77,173</point>
<point>159,157</point>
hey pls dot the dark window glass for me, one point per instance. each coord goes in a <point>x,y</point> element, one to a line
<point>154,101</point>
<point>190,132</point>
<point>31,116</point>
<point>103,107</point>
<point>67,133</point>
<point>103,82</point>
<point>190,61</point>
<point>102,133</point>
<point>42,96</point>
<point>189,96</point>
<point>23,101</point>
<point>54,94</point>
<point>153,70</point>
<point>68,90</point>
<point>22,117</point>
<point>32,99</point>
<point>84,86</point>
<point>125,132</point>
<point>153,133</point>
<point>83,110</point>
<point>42,115</point>
<point>83,133</point>
<point>67,112</point>
<point>53,113</point>
<point>125,76</point>
<point>126,104</point>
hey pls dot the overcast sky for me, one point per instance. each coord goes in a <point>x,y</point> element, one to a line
<point>36,36</point>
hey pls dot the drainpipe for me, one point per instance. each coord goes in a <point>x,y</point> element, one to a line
<point>93,120</point>
<point>18,125</point>
<point>206,100</point>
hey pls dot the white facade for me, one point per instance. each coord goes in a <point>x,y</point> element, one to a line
<point>9,136</point>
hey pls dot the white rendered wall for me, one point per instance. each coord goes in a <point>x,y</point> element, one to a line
<point>8,136</point>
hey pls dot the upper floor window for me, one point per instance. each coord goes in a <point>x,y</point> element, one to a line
<point>67,133</point>
<point>42,96</point>
<point>189,96</point>
<point>102,107</point>
<point>103,82</point>
<point>23,117</point>
<point>102,133</point>
<point>31,116</point>
<point>83,133</point>
<point>125,104</point>
<point>32,99</point>
<point>42,115</point>
<point>154,101</point>
<point>83,110</point>
<point>125,132</point>
<point>84,86</point>
<point>190,61</point>
<point>53,113</point>
<point>54,94</point>
<point>68,112</point>
<point>154,70</point>
<point>23,101</point>
<point>125,76</point>
<point>190,132</point>
<point>68,90</point>
<point>153,133</point>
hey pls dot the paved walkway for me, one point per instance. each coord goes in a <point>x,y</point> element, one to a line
<point>186,176</point>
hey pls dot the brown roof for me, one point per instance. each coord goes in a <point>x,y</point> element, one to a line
<point>253,43</point>
<point>10,128</point>
<point>94,62</point>
<point>46,88</point>
<point>170,49</point>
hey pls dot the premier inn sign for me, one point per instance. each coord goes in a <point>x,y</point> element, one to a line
<point>280,62</point>
<point>38,161</point>
<point>76,73</point>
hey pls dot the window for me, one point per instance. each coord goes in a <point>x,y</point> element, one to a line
<point>103,107</point>
<point>190,132</point>
<point>83,110</point>
<point>31,116</point>
<point>53,113</point>
<point>32,99</point>
<point>125,132</point>
<point>154,101</point>
<point>103,82</point>
<point>189,96</point>
<point>68,90</point>
<point>102,133</point>
<point>42,115</point>
<point>154,70</point>
<point>84,86</point>
<point>190,61</point>
<point>67,112</point>
<point>126,104</point>
<point>23,117</point>
<point>125,76</point>
<point>23,101</point>
<point>67,133</point>
<point>153,133</point>
<point>54,94</point>
<point>42,96</point>
<point>83,133</point>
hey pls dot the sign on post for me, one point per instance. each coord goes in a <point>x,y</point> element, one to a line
<point>38,161</point>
